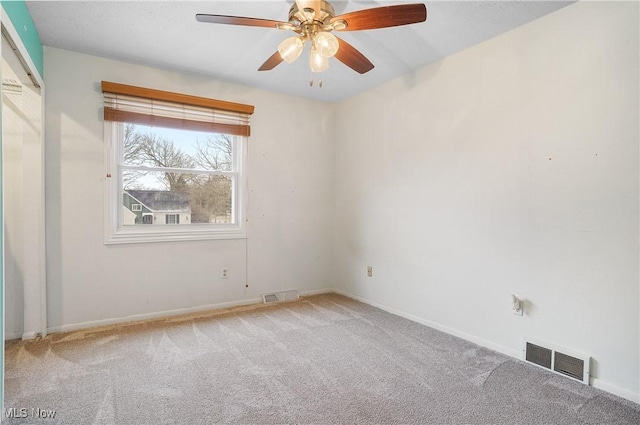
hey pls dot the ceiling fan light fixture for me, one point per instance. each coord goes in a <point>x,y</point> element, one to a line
<point>327,44</point>
<point>290,49</point>
<point>317,62</point>
<point>315,20</point>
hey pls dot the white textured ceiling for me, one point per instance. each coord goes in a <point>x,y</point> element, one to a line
<point>165,34</point>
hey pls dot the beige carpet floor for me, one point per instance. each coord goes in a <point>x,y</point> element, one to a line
<point>325,359</point>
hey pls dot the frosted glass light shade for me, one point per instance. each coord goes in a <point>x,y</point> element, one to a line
<point>317,62</point>
<point>327,44</point>
<point>290,49</point>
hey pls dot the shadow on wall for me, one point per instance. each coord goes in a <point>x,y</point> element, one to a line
<point>53,213</point>
<point>14,290</point>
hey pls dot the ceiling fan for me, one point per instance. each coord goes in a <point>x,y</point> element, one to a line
<point>314,20</point>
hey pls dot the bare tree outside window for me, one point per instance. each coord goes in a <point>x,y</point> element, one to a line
<point>132,150</point>
<point>216,153</point>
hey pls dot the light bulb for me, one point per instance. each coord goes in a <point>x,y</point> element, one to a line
<point>317,62</point>
<point>327,44</point>
<point>290,49</point>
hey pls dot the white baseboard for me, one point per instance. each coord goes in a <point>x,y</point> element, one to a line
<point>12,335</point>
<point>451,331</point>
<point>160,314</point>
<point>318,292</point>
<point>29,335</point>
<point>19,335</point>
<point>595,382</point>
<point>116,320</point>
<point>615,390</point>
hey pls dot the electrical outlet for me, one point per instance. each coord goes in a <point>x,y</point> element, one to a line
<point>517,305</point>
<point>369,271</point>
<point>225,273</point>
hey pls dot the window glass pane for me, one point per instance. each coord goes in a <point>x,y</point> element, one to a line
<point>171,148</point>
<point>175,198</point>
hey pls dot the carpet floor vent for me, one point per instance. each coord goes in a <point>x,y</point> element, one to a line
<point>557,359</point>
<point>275,297</point>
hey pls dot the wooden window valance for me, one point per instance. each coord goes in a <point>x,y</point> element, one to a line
<point>139,105</point>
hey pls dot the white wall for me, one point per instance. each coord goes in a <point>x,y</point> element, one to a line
<point>289,203</point>
<point>511,167</point>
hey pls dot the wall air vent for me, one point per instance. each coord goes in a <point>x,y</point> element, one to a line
<point>568,365</point>
<point>538,355</point>
<point>274,297</point>
<point>557,359</point>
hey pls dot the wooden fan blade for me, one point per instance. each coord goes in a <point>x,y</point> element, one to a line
<point>310,4</point>
<point>350,56</point>
<point>273,61</point>
<point>383,17</point>
<point>237,20</point>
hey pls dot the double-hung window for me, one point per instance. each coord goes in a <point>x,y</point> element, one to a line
<point>176,166</point>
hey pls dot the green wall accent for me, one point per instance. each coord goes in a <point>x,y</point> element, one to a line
<point>21,20</point>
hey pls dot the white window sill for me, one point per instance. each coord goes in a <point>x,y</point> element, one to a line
<point>137,235</point>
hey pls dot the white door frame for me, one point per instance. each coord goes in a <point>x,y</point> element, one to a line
<point>21,51</point>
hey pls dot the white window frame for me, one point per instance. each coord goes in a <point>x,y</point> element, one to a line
<point>136,207</point>
<point>117,233</point>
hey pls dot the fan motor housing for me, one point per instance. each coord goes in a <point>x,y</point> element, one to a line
<point>298,16</point>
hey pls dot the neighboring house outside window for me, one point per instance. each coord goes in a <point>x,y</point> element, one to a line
<point>171,207</point>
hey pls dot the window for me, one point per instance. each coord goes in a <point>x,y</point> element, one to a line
<point>172,219</point>
<point>174,160</point>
